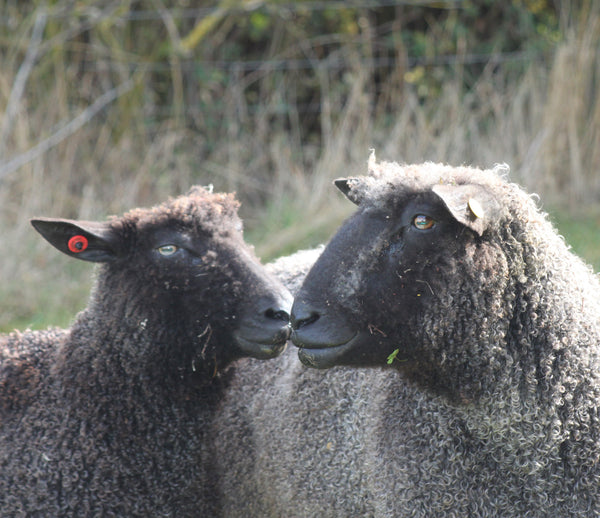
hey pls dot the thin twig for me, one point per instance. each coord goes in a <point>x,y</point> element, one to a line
<point>428,285</point>
<point>68,129</point>
<point>14,100</point>
<point>176,71</point>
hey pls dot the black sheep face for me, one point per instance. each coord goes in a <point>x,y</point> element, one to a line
<point>396,283</point>
<point>182,272</point>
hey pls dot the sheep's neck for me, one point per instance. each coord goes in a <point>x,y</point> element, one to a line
<point>131,357</point>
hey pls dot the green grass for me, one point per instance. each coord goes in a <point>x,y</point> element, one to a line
<point>48,294</point>
<point>582,232</point>
<point>286,225</point>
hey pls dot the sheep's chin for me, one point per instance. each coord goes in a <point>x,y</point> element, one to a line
<point>328,356</point>
<point>261,350</point>
<point>324,358</point>
<point>362,349</point>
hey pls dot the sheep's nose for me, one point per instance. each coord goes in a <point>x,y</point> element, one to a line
<point>263,328</point>
<point>277,313</point>
<point>275,308</point>
<point>302,314</point>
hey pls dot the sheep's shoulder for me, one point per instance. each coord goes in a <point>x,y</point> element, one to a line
<point>25,359</point>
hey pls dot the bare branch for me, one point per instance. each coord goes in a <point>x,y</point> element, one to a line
<point>68,129</point>
<point>14,100</point>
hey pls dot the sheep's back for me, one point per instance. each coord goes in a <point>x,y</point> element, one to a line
<point>25,359</point>
<point>289,439</point>
<point>292,441</point>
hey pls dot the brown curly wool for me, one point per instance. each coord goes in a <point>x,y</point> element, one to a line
<point>110,417</point>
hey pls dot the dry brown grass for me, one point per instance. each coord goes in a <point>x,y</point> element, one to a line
<point>545,123</point>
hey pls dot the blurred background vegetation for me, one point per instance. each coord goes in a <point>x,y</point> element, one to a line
<point>107,105</point>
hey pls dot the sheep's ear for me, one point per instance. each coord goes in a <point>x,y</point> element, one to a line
<point>345,185</point>
<point>85,240</point>
<point>472,205</point>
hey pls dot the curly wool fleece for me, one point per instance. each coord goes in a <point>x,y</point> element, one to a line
<point>111,416</point>
<point>504,418</point>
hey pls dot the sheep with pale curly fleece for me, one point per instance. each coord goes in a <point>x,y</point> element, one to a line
<point>461,341</point>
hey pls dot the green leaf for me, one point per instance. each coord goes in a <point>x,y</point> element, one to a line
<point>392,356</point>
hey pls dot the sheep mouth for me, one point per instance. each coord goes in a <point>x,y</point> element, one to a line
<point>362,348</point>
<point>322,356</point>
<point>262,347</point>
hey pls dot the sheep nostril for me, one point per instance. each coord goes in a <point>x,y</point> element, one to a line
<point>277,314</point>
<point>302,321</point>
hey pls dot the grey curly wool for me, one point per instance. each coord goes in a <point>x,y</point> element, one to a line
<point>111,416</point>
<point>292,269</point>
<point>293,445</point>
<point>491,404</point>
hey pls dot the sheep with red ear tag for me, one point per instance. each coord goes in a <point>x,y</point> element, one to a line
<point>111,417</point>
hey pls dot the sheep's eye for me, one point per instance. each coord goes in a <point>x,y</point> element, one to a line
<point>167,250</point>
<point>423,222</point>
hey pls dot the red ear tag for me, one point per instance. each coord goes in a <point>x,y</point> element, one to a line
<point>77,244</point>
